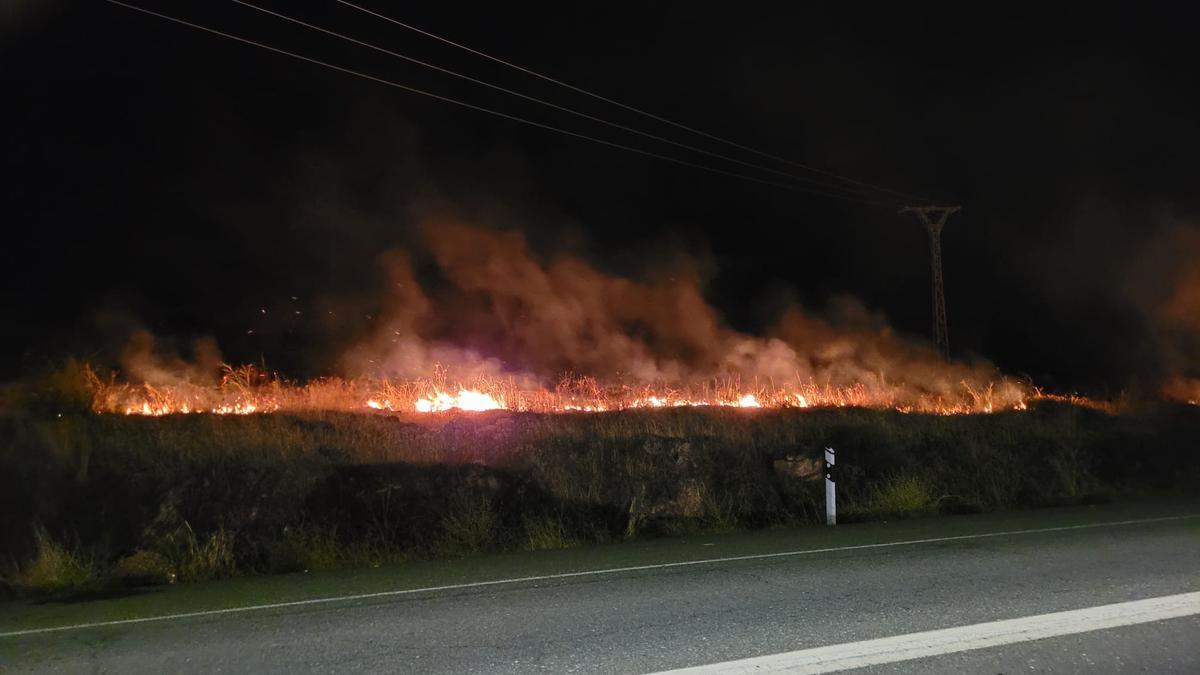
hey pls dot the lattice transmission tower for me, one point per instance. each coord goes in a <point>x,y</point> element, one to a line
<point>934,219</point>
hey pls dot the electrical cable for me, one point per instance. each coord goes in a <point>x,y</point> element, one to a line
<point>834,186</point>
<point>639,111</point>
<point>446,99</point>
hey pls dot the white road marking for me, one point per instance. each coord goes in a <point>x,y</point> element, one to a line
<point>963,638</point>
<point>584,573</point>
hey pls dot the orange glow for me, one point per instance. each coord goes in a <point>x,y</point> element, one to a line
<point>747,401</point>
<point>1184,390</point>
<point>246,395</point>
<point>247,391</point>
<point>465,399</point>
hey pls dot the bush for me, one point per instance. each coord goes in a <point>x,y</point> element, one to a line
<point>902,494</point>
<point>469,528</point>
<point>54,569</point>
<point>546,533</point>
<point>305,550</point>
<point>719,515</point>
<point>72,388</point>
<point>196,559</point>
<point>899,496</point>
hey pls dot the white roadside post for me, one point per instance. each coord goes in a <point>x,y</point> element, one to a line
<point>830,489</point>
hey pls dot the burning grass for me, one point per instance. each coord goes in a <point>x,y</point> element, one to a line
<point>247,390</point>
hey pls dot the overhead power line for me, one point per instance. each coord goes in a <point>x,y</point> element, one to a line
<point>639,111</point>
<point>578,113</point>
<point>514,118</point>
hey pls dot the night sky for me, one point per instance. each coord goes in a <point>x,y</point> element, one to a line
<point>157,176</point>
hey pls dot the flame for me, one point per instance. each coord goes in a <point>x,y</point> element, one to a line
<point>238,408</point>
<point>466,399</point>
<point>747,401</point>
<point>255,395</point>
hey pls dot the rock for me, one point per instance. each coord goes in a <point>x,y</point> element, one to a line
<point>798,467</point>
<point>676,450</point>
<point>144,568</point>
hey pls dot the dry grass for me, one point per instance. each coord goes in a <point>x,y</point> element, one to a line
<point>471,526</point>
<point>199,558</point>
<point>547,533</point>
<point>54,569</point>
<point>247,389</point>
<point>286,491</point>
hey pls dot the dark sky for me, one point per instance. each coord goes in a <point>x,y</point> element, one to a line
<point>157,174</point>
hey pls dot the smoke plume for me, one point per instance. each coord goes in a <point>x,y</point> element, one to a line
<point>499,307</point>
<point>1179,318</point>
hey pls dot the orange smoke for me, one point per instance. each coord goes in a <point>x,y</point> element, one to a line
<point>1179,318</point>
<point>508,322</point>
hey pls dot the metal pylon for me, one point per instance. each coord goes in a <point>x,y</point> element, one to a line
<point>934,218</point>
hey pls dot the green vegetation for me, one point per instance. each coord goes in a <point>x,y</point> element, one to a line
<point>199,559</point>
<point>547,533</point>
<point>301,549</point>
<point>470,527</point>
<point>88,500</point>
<point>899,496</point>
<point>53,568</point>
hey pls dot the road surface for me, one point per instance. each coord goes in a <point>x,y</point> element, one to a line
<point>774,596</point>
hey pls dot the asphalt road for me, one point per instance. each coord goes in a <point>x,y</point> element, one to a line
<point>667,617</point>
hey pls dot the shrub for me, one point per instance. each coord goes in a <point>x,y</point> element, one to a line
<point>73,388</point>
<point>901,495</point>
<point>196,559</point>
<point>306,549</point>
<point>1071,470</point>
<point>470,527</point>
<point>718,514</point>
<point>546,533</point>
<point>54,569</point>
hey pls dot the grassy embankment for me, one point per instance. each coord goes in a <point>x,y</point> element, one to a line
<point>88,501</point>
